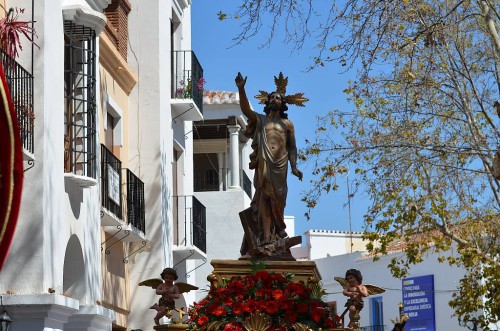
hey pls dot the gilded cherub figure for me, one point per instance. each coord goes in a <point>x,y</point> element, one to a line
<point>169,292</point>
<point>353,288</point>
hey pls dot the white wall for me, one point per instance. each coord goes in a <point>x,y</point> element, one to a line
<point>445,282</point>
<point>224,230</point>
<point>323,243</point>
<point>151,145</point>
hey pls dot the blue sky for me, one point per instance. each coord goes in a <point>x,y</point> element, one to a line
<point>212,41</point>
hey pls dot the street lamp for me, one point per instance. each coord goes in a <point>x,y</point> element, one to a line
<point>469,324</point>
<point>5,321</point>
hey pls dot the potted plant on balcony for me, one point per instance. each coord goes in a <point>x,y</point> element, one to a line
<point>185,90</point>
<point>11,30</point>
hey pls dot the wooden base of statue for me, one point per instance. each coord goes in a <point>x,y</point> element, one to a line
<point>305,271</point>
<point>277,250</point>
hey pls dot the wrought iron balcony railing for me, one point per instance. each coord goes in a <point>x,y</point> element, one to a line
<point>122,192</point>
<point>189,222</point>
<point>136,215</point>
<point>373,328</point>
<point>111,179</point>
<point>187,77</point>
<point>80,106</point>
<point>199,225</point>
<point>206,180</point>
<point>20,83</point>
<point>209,180</point>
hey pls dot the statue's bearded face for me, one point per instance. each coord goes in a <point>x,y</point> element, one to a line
<point>275,101</point>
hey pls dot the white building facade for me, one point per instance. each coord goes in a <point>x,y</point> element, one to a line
<point>222,179</point>
<point>114,94</point>
<point>423,295</point>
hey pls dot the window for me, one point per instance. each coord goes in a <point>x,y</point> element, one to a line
<point>113,124</point>
<point>80,106</point>
<point>377,314</point>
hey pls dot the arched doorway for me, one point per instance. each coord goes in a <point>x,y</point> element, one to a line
<point>74,270</point>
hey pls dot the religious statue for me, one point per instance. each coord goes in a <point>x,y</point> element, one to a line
<point>356,291</point>
<point>168,291</point>
<point>399,326</point>
<point>273,147</point>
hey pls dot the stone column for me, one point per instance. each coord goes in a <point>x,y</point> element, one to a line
<point>234,157</point>
<point>220,161</point>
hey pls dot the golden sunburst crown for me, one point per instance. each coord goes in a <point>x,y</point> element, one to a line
<point>281,82</point>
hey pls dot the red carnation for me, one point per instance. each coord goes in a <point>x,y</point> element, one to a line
<point>219,311</point>
<point>316,314</point>
<point>277,294</point>
<point>271,307</point>
<point>238,308</point>
<point>233,327</point>
<point>250,306</point>
<point>279,278</point>
<point>290,316</point>
<point>202,320</point>
<point>286,304</point>
<point>228,301</point>
<point>302,307</point>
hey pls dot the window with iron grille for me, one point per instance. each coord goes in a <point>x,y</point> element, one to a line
<point>80,111</point>
<point>199,225</point>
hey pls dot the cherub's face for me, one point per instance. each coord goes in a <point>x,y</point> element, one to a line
<point>168,278</point>
<point>352,280</point>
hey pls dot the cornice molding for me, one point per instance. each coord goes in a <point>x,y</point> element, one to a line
<point>99,5</point>
<point>115,64</point>
<point>82,14</point>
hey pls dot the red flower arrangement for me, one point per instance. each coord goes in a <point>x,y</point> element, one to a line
<point>273,300</point>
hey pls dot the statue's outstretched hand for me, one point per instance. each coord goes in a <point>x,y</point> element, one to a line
<point>297,173</point>
<point>240,81</point>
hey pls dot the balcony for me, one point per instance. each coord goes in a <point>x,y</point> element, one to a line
<point>209,179</point>
<point>189,228</point>
<point>122,200</point>
<point>20,83</point>
<point>187,97</point>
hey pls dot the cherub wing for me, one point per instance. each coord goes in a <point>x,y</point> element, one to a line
<point>185,287</point>
<point>153,282</point>
<point>341,280</point>
<point>374,289</point>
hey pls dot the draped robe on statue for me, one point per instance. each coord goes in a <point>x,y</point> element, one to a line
<point>269,181</point>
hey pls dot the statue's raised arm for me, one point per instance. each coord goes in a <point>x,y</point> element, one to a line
<point>244,104</point>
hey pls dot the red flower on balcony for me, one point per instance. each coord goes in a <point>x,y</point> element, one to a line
<point>12,29</point>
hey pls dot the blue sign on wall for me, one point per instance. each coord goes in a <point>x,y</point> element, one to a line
<point>418,303</point>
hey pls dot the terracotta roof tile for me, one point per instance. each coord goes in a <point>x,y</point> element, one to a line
<point>211,97</point>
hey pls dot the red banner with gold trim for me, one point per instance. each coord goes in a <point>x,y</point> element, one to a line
<point>11,169</point>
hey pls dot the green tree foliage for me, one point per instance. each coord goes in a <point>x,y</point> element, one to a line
<point>423,134</point>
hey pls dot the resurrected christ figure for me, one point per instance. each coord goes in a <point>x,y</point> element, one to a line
<point>273,147</point>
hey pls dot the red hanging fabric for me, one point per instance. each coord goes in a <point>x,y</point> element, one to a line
<point>11,169</point>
